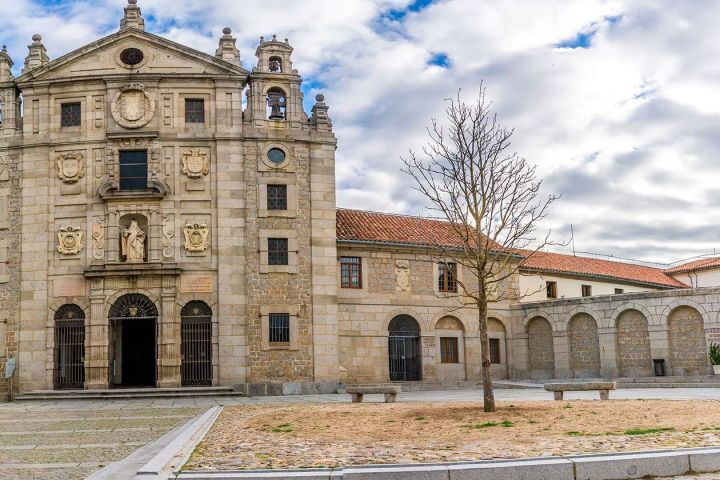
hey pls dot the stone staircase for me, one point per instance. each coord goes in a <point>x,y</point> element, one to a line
<point>127,393</point>
<point>705,381</point>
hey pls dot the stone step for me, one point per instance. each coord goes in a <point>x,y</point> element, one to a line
<point>129,393</point>
<point>668,385</point>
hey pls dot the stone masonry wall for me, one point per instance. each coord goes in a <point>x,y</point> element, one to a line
<point>541,353</point>
<point>584,347</point>
<point>633,345</point>
<point>687,342</point>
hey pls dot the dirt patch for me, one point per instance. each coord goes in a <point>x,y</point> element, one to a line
<point>331,435</point>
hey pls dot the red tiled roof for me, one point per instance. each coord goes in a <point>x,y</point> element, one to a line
<point>556,262</point>
<point>702,264</point>
<point>360,225</point>
<point>391,228</point>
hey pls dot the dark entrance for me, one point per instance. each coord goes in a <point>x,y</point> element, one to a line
<point>69,347</point>
<point>404,349</point>
<point>134,321</point>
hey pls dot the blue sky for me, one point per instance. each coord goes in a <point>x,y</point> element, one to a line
<point>617,102</point>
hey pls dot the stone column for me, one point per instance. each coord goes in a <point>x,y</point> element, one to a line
<point>517,356</point>
<point>608,352</point>
<point>561,345</point>
<point>97,362</point>
<point>168,336</point>
<point>660,345</point>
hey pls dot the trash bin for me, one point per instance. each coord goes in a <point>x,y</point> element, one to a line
<point>659,364</point>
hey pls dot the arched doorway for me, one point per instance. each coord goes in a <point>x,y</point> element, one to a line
<point>133,319</point>
<point>196,335</point>
<point>69,347</point>
<point>404,349</point>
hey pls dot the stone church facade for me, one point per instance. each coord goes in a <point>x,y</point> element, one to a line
<point>168,219</point>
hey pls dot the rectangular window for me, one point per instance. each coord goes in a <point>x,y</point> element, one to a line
<point>618,291</point>
<point>277,251</point>
<point>70,115</point>
<point>586,291</point>
<point>279,324</point>
<point>446,277</point>
<point>277,197</point>
<point>551,289</point>
<point>495,350</point>
<point>350,272</point>
<point>449,350</point>
<point>133,170</point>
<point>194,110</point>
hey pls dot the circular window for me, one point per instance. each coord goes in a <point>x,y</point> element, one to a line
<point>276,156</point>
<point>131,56</point>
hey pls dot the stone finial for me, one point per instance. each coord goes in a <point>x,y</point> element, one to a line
<point>227,50</point>
<point>37,54</point>
<point>133,17</point>
<point>6,64</point>
<point>320,112</point>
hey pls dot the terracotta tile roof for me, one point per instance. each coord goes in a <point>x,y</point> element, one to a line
<point>360,225</point>
<point>628,272</point>
<point>702,264</point>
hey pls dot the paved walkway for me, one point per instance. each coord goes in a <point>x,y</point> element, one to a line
<point>71,439</point>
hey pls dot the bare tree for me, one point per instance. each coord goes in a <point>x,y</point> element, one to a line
<point>491,199</point>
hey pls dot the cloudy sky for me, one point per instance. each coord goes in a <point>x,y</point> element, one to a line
<point>617,102</point>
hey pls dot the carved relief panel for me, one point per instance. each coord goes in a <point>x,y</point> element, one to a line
<point>402,275</point>
<point>70,241</point>
<point>70,167</point>
<point>196,237</point>
<point>132,106</point>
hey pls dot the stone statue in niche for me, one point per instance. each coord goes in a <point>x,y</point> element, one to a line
<point>133,243</point>
<point>196,163</point>
<point>402,275</point>
<point>196,237</point>
<point>70,241</point>
<point>70,167</point>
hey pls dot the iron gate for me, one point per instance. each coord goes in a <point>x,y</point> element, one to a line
<point>69,347</point>
<point>196,335</point>
<point>404,349</point>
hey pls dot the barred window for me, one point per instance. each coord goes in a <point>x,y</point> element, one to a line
<point>194,110</point>
<point>277,251</point>
<point>449,350</point>
<point>279,327</point>
<point>350,272</point>
<point>70,115</point>
<point>494,350</point>
<point>277,197</point>
<point>446,277</point>
<point>133,170</point>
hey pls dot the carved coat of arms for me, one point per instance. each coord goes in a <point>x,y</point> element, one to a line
<point>196,237</point>
<point>70,241</point>
<point>132,107</point>
<point>402,275</point>
<point>70,167</point>
<point>196,163</point>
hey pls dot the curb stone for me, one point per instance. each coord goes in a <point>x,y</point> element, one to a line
<point>617,466</point>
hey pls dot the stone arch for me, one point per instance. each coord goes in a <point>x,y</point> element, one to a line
<point>541,312</point>
<point>633,344</point>
<point>688,350</point>
<point>110,301</point>
<point>467,325</point>
<point>450,349</point>
<point>541,349</point>
<point>564,323</point>
<point>404,348</point>
<point>649,317</point>
<point>507,325</point>
<point>584,346</point>
<point>423,322</point>
<point>685,302</point>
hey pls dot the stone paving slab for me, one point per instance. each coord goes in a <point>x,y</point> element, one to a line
<point>79,438</point>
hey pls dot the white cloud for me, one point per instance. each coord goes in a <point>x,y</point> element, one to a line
<point>624,129</point>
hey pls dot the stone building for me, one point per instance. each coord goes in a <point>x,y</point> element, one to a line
<point>168,219</point>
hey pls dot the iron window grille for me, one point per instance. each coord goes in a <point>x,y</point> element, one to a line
<point>194,110</point>
<point>350,272</point>
<point>278,251</point>
<point>618,291</point>
<point>279,324</point>
<point>447,273</point>
<point>494,350</point>
<point>449,350</point>
<point>133,170</point>
<point>70,115</point>
<point>196,336</point>
<point>277,197</point>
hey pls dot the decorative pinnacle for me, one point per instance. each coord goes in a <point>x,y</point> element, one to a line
<point>262,39</point>
<point>274,38</point>
<point>227,31</point>
<point>320,97</point>
<point>36,37</point>
<point>132,2</point>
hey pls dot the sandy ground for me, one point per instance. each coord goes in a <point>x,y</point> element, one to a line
<point>330,435</point>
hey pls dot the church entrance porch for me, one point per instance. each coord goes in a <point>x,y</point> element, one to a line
<point>133,347</point>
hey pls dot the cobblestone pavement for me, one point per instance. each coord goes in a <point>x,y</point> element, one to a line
<point>70,440</point>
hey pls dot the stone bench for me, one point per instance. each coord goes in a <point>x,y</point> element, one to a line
<point>390,392</point>
<point>559,388</point>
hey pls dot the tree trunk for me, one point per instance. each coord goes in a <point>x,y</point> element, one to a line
<point>488,395</point>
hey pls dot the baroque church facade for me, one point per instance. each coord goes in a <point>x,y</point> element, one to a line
<point>168,219</point>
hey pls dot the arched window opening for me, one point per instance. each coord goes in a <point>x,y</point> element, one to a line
<point>275,64</point>
<point>196,335</point>
<point>404,349</point>
<point>69,347</point>
<point>276,104</point>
